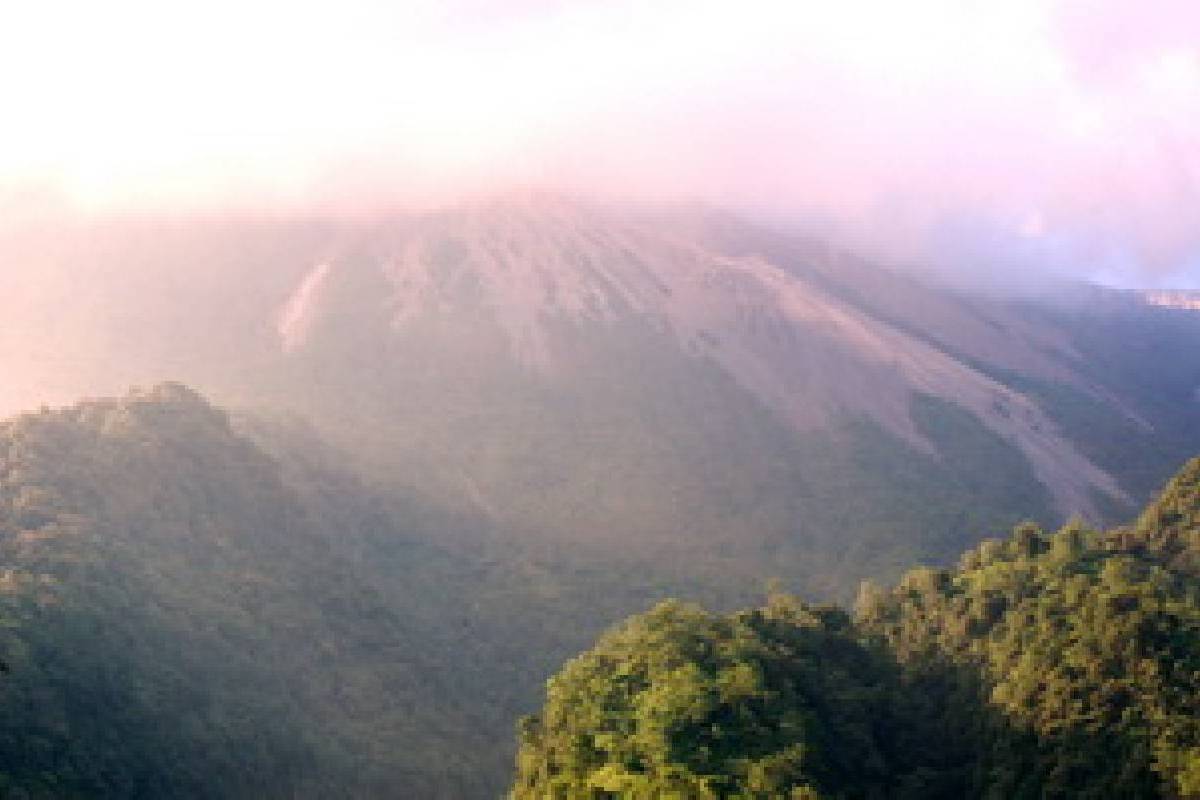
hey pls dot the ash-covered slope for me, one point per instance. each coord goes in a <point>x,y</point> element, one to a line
<point>629,382</point>
<point>787,330</point>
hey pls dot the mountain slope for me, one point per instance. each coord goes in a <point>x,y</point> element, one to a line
<point>205,605</point>
<point>187,625</point>
<point>1048,665</point>
<point>655,385</point>
<point>798,347</point>
<point>600,377</point>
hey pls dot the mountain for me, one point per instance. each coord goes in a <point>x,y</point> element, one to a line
<point>1061,664</point>
<point>784,332</point>
<point>651,383</point>
<point>445,450</point>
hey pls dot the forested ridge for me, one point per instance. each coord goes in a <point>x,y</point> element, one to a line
<point>1051,664</point>
<point>199,604</point>
<point>184,617</point>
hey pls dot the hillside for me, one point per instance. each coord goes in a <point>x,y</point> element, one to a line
<point>211,605</point>
<point>203,605</point>
<point>690,383</point>
<point>1061,664</point>
<point>543,272</point>
<point>184,619</point>
<point>674,386</point>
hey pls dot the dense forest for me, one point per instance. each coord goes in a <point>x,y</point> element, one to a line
<point>184,617</point>
<point>1063,664</point>
<point>204,604</point>
<point>198,603</point>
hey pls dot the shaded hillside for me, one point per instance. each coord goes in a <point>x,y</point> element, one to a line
<point>187,623</point>
<point>1088,641</point>
<point>212,607</point>
<point>1145,355</point>
<point>1061,664</point>
<point>202,607</point>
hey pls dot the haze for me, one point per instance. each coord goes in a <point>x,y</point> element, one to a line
<point>1026,137</point>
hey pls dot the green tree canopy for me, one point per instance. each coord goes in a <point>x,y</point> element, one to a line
<point>1062,664</point>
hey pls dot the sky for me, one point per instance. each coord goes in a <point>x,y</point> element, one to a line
<point>1025,137</point>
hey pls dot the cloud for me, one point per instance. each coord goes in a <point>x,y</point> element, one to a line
<point>1027,135</point>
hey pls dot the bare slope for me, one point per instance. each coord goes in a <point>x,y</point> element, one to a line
<point>793,340</point>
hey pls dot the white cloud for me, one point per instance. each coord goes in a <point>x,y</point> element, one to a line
<point>946,109</point>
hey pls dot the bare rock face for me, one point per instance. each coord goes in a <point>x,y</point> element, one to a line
<point>297,315</point>
<point>792,328</point>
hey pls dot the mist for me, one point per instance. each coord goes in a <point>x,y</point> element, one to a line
<point>1020,139</point>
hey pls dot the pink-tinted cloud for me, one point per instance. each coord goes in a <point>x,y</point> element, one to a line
<point>1033,134</point>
